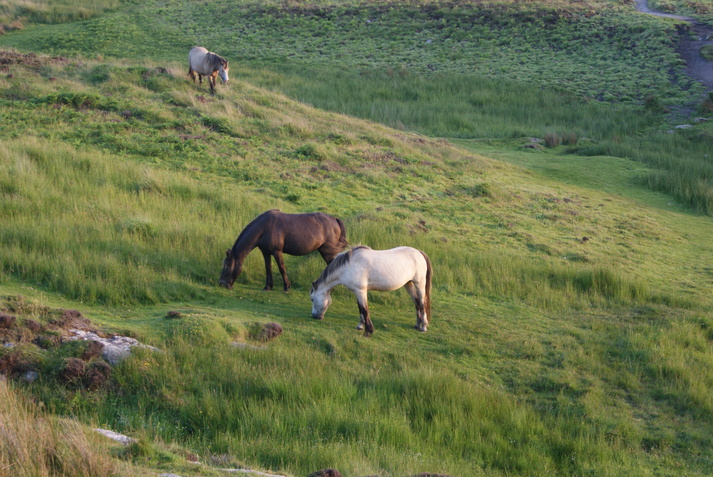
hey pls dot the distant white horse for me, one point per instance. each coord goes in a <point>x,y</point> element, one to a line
<point>361,269</point>
<point>206,63</point>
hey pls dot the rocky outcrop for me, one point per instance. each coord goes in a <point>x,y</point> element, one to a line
<point>116,348</point>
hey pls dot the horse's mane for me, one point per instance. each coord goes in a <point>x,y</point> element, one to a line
<point>215,60</point>
<point>339,261</point>
<point>250,234</point>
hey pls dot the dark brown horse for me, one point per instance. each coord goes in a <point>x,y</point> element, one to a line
<point>275,233</point>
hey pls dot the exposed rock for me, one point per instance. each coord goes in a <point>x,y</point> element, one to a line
<point>31,376</point>
<point>115,436</point>
<point>116,348</point>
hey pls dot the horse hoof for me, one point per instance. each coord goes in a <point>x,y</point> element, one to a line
<point>360,326</point>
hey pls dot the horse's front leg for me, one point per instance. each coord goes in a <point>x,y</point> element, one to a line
<point>364,319</point>
<point>268,270</point>
<point>211,80</point>
<point>283,270</point>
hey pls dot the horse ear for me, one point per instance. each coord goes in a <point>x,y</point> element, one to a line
<point>227,253</point>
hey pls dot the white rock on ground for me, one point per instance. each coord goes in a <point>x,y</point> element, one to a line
<point>115,349</point>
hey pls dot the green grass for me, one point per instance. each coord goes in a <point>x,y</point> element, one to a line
<point>698,8</point>
<point>565,46</point>
<point>572,312</point>
<point>17,15</point>
<point>500,70</point>
<point>547,353</point>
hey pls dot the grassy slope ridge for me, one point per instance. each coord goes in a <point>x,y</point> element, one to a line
<point>600,49</point>
<point>548,353</point>
<point>454,70</point>
<point>565,332</point>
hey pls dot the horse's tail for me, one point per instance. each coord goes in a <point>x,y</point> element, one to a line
<point>342,234</point>
<point>429,280</point>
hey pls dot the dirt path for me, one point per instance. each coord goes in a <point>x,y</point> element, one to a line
<point>690,46</point>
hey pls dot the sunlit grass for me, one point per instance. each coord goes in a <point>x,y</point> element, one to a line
<point>571,323</point>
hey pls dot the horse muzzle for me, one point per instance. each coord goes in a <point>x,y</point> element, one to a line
<point>317,316</point>
<point>225,284</point>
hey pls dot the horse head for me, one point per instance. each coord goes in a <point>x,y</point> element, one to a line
<point>231,270</point>
<point>223,71</point>
<point>321,299</point>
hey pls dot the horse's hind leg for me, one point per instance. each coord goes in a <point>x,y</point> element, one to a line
<point>192,74</point>
<point>417,296</point>
<point>283,270</point>
<point>268,270</point>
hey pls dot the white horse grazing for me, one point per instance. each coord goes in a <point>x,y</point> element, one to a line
<point>361,269</point>
<point>206,63</point>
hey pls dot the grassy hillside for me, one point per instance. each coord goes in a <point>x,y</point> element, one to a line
<point>563,333</point>
<point>468,70</point>
<point>572,314</point>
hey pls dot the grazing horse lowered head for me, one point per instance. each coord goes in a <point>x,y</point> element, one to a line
<point>206,63</point>
<point>362,269</point>
<point>275,233</point>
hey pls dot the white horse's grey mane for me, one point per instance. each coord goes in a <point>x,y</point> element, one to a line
<point>338,262</point>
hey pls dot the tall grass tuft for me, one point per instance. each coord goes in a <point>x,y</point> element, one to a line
<point>112,232</point>
<point>33,444</point>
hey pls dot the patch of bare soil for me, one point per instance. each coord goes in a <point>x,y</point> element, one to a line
<point>696,37</point>
<point>690,50</point>
<point>34,337</point>
<point>10,57</point>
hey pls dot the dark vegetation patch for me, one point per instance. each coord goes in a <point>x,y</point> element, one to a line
<point>42,345</point>
<point>30,60</point>
<point>265,332</point>
<point>326,473</point>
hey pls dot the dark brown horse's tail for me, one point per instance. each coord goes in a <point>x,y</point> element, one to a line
<point>429,280</point>
<point>342,234</point>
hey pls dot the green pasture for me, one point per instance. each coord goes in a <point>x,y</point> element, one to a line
<point>697,8</point>
<point>569,232</point>
<point>591,72</point>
